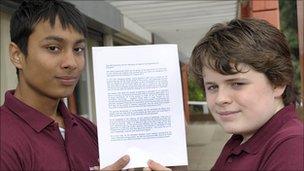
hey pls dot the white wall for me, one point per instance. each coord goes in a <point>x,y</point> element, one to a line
<point>8,71</point>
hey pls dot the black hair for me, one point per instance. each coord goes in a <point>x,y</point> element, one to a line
<point>31,12</point>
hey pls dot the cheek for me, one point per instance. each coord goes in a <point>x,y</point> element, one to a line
<point>48,67</point>
<point>81,63</point>
<point>37,68</point>
<point>257,101</point>
<point>263,94</point>
<point>210,101</point>
<point>255,93</point>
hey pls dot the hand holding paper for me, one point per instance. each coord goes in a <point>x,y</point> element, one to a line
<point>117,166</point>
<point>152,165</point>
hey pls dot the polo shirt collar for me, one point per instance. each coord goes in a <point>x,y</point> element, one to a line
<point>34,118</point>
<point>267,130</point>
<point>68,117</point>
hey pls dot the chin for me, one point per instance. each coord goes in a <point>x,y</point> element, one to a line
<point>229,129</point>
<point>64,93</point>
<point>67,94</point>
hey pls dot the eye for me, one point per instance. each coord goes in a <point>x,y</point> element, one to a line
<point>79,50</point>
<point>237,85</point>
<point>53,48</point>
<point>211,88</point>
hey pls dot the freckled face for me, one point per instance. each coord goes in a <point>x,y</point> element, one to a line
<point>243,102</point>
<point>54,61</point>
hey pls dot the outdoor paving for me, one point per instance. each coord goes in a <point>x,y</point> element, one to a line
<point>205,141</point>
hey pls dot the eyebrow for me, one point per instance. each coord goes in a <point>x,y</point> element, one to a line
<point>60,39</point>
<point>235,79</point>
<point>228,80</point>
<point>80,41</point>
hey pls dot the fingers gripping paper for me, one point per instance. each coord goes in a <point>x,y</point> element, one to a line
<point>139,105</point>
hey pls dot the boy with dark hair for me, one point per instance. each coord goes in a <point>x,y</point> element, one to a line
<point>37,131</point>
<point>245,70</point>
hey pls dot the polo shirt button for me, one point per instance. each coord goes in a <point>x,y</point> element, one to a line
<point>230,160</point>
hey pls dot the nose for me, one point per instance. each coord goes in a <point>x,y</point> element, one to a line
<point>223,97</point>
<point>69,61</point>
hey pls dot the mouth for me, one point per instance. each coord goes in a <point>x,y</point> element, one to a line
<point>67,80</point>
<point>227,113</point>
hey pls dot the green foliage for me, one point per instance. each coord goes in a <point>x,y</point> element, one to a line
<point>195,94</point>
<point>289,26</point>
<point>297,68</point>
<point>195,91</point>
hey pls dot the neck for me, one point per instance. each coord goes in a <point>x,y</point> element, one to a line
<point>278,105</point>
<point>46,105</point>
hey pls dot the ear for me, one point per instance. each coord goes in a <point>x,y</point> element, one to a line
<point>16,56</point>
<point>279,90</point>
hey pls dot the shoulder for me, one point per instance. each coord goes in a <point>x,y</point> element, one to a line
<point>292,129</point>
<point>4,111</point>
<point>285,148</point>
<point>13,142</point>
<point>286,154</point>
<point>291,132</point>
<point>11,124</point>
<point>13,128</point>
<point>16,133</point>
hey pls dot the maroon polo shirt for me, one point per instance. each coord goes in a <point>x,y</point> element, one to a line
<point>278,145</point>
<point>32,141</point>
